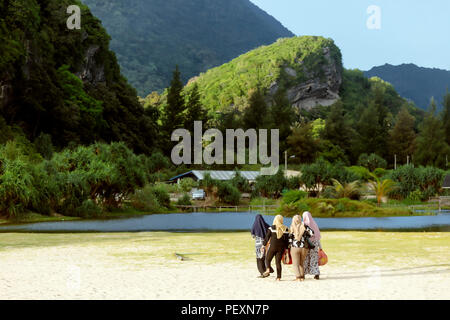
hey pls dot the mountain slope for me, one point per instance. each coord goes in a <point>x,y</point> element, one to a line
<point>151,36</point>
<point>65,83</point>
<point>415,83</point>
<point>308,69</point>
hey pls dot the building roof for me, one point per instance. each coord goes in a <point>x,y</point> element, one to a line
<point>447,182</point>
<point>218,175</point>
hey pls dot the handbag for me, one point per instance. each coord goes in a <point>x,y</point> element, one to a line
<point>286,258</point>
<point>323,258</point>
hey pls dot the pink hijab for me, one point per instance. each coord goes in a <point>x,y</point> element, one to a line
<point>309,221</point>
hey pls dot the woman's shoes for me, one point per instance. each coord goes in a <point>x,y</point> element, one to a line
<point>278,279</point>
<point>316,277</point>
<point>266,274</point>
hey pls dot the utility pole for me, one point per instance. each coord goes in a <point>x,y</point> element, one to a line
<point>285,162</point>
<point>395,162</point>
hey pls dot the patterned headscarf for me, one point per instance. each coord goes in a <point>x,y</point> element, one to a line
<point>309,221</point>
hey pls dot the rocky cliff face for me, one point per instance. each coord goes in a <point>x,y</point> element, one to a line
<point>319,89</point>
<point>307,69</point>
<point>40,60</point>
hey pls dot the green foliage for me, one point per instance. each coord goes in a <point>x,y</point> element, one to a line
<point>293,196</point>
<point>381,188</point>
<point>326,208</point>
<point>66,84</point>
<point>321,173</point>
<point>44,146</point>
<point>151,36</point>
<point>230,83</point>
<point>187,184</point>
<point>361,173</point>
<point>416,195</point>
<point>380,172</point>
<point>349,190</point>
<point>84,181</point>
<point>162,195</point>
<point>270,186</point>
<point>145,200</point>
<point>185,200</point>
<point>302,143</point>
<point>372,161</point>
<point>403,136</point>
<point>228,193</point>
<point>240,182</point>
<point>432,148</point>
<point>415,83</point>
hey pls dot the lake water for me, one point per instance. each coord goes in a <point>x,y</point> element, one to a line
<point>229,221</point>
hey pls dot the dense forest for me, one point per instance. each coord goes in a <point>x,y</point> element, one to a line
<point>149,36</point>
<point>65,83</point>
<point>415,83</point>
<point>75,139</point>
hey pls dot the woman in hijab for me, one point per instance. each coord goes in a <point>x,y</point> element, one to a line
<point>278,236</point>
<point>259,231</point>
<point>312,258</point>
<point>298,239</point>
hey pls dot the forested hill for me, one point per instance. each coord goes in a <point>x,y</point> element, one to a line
<point>151,36</point>
<point>415,83</point>
<point>65,83</point>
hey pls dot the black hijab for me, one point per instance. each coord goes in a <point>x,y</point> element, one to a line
<point>260,227</point>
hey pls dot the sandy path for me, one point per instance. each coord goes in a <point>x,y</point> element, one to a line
<point>122,270</point>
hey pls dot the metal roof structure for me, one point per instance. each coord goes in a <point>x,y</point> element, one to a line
<point>217,175</point>
<point>446,184</point>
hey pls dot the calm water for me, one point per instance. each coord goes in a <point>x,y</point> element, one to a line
<point>228,221</point>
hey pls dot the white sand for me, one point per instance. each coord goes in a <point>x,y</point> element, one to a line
<point>88,271</point>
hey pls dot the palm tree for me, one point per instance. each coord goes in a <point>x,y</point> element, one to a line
<point>346,190</point>
<point>381,187</point>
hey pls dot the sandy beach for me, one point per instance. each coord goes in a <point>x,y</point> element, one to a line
<point>362,265</point>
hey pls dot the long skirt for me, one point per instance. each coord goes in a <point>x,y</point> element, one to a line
<point>312,260</point>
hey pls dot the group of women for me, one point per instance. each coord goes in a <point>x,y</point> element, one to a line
<point>303,239</point>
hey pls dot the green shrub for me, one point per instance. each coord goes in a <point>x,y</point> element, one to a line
<point>88,209</point>
<point>262,201</point>
<point>145,200</point>
<point>416,196</point>
<point>270,186</point>
<point>380,172</point>
<point>372,161</point>
<point>185,200</point>
<point>293,196</point>
<point>187,184</point>
<point>228,193</point>
<point>362,173</point>
<point>162,195</point>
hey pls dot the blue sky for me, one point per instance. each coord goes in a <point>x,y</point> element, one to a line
<point>412,31</point>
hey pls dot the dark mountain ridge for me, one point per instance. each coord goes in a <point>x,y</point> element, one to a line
<point>151,36</point>
<point>416,83</point>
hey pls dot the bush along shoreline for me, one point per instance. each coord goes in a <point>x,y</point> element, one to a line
<point>109,181</point>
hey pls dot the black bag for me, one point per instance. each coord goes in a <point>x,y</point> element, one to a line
<point>308,243</point>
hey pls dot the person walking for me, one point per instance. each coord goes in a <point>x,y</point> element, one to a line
<point>259,231</point>
<point>278,236</point>
<point>298,240</point>
<point>311,264</point>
